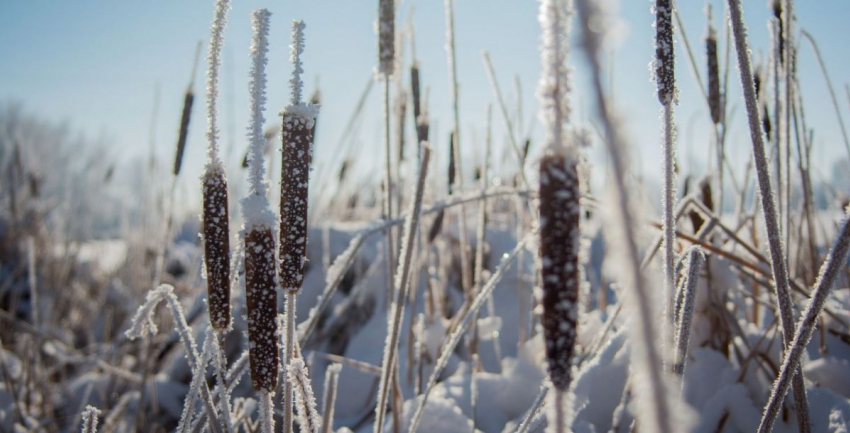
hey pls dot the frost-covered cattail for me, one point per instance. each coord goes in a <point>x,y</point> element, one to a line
<point>714,103</point>
<point>297,143</point>
<point>559,251</point>
<point>386,37</point>
<point>216,225</point>
<point>666,85</point>
<point>260,266</point>
<point>665,79</point>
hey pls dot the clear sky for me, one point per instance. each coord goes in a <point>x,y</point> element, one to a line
<point>96,65</point>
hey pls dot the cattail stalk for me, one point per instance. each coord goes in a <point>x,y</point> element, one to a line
<point>411,226</point>
<point>451,52</point>
<point>832,94</point>
<point>829,273</point>
<point>659,416</point>
<point>768,205</point>
<point>260,269</point>
<point>695,261</point>
<point>216,225</point>
<point>329,398</point>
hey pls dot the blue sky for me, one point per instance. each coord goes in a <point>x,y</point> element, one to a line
<point>96,64</point>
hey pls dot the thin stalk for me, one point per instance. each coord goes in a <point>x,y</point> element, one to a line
<point>832,94</point>
<point>329,399</point>
<point>660,414</point>
<point>411,224</point>
<point>829,273</point>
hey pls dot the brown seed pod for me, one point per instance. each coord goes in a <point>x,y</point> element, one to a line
<point>297,140</point>
<point>713,77</point>
<point>559,252</point>
<point>386,37</point>
<point>262,308</point>
<point>216,232</point>
<point>184,131</point>
<point>664,65</point>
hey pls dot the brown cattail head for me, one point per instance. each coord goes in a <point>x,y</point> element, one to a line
<point>664,66</point>
<point>559,252</point>
<point>386,37</point>
<point>216,232</point>
<point>297,140</point>
<point>776,7</point>
<point>418,119</point>
<point>184,130</point>
<point>261,297</point>
<point>401,111</point>
<point>713,71</point>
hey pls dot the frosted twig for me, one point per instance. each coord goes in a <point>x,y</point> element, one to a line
<point>829,273</point>
<point>832,94</point>
<point>296,86</point>
<point>452,341</point>
<point>142,324</point>
<point>411,225</point>
<point>213,63</point>
<point>777,255</point>
<point>305,403</point>
<point>695,260</point>
<point>90,419</point>
<point>535,407</point>
<point>491,74</point>
<point>329,398</point>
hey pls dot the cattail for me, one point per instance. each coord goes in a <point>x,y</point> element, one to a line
<point>559,251</point>
<point>418,118</point>
<point>297,141</point>
<point>386,37</point>
<point>777,9</point>
<point>260,266</point>
<point>216,221</point>
<point>188,99</point>
<point>666,85</point>
<point>713,71</point>
<point>665,79</point>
